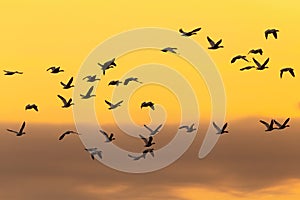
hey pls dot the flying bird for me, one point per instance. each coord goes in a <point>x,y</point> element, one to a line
<point>169,49</point>
<point>127,80</point>
<point>107,65</point>
<point>65,102</point>
<point>214,45</point>
<point>148,104</point>
<point>148,143</point>
<point>55,70</point>
<point>256,51</point>
<point>94,152</point>
<point>187,34</point>
<point>247,68</point>
<point>271,31</point>
<point>189,129</point>
<point>11,72</point>
<point>31,106</point>
<point>239,57</point>
<point>113,106</point>
<point>220,131</point>
<point>153,132</point>
<point>91,78</point>
<point>114,82</point>
<point>67,133</point>
<point>287,69</point>
<point>88,94</point>
<point>284,125</point>
<point>269,126</point>
<point>68,85</point>
<point>20,132</point>
<point>109,138</point>
<point>259,66</point>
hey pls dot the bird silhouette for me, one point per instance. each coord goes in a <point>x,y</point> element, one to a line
<point>11,72</point>
<point>67,133</point>
<point>31,106</point>
<point>238,57</point>
<point>247,68</point>
<point>113,106</point>
<point>189,129</point>
<point>114,82</point>
<point>268,126</point>
<point>148,143</point>
<point>190,33</point>
<point>20,132</point>
<point>107,65</point>
<point>127,80</point>
<point>65,102</point>
<point>259,66</point>
<point>91,78</point>
<point>169,49</point>
<point>68,85</point>
<point>284,125</point>
<point>88,94</point>
<point>256,51</point>
<point>271,31</point>
<point>55,70</point>
<point>153,132</point>
<point>109,138</point>
<point>148,104</point>
<point>287,69</point>
<point>214,45</point>
<point>219,130</point>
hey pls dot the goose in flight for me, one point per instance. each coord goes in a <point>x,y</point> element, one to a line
<point>68,85</point>
<point>188,34</point>
<point>189,129</point>
<point>269,126</point>
<point>20,132</point>
<point>220,131</point>
<point>67,133</point>
<point>91,78</point>
<point>109,138</point>
<point>115,82</point>
<point>214,45</point>
<point>148,104</point>
<point>247,68</point>
<point>127,80</point>
<point>31,106</point>
<point>94,152</point>
<point>239,57</point>
<point>271,31</point>
<point>169,49</point>
<point>88,94</point>
<point>148,143</point>
<point>153,132</point>
<point>284,125</point>
<point>107,65</point>
<point>287,69</point>
<point>256,51</point>
<point>259,66</point>
<point>65,102</point>
<point>55,70</point>
<point>11,72</point>
<point>113,106</point>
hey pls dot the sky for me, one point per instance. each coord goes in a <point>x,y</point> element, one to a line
<point>36,35</point>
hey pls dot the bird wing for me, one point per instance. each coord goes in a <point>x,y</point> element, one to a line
<point>104,133</point>
<point>62,136</point>
<point>70,100</point>
<point>266,34</point>
<point>196,30</point>
<point>52,68</point>
<point>211,42</point>
<point>286,121</point>
<point>127,81</point>
<point>35,107</point>
<point>149,129</point>
<point>22,127</point>
<point>265,123</point>
<point>260,51</point>
<point>119,103</point>
<point>90,91</point>
<point>99,153</point>
<point>181,127</point>
<point>63,99</point>
<point>216,127</point>
<point>87,77</point>
<point>70,81</point>
<point>219,42</point>
<point>152,107</point>
<point>256,62</point>
<point>272,123</point>
<point>224,127</point>
<point>12,131</point>
<point>275,34</point>
<point>144,139</point>
<point>181,31</point>
<point>292,72</point>
<point>277,123</point>
<point>266,62</point>
<point>281,72</point>
<point>62,84</point>
<point>152,153</point>
<point>108,103</point>
<point>233,59</point>
<point>158,128</point>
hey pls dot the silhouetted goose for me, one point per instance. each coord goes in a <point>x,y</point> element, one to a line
<point>67,133</point>
<point>239,57</point>
<point>269,126</point>
<point>107,65</point>
<point>271,31</point>
<point>214,45</point>
<point>94,152</point>
<point>259,66</point>
<point>114,82</point>
<point>31,106</point>
<point>68,85</point>
<point>88,94</point>
<point>247,68</point>
<point>284,125</point>
<point>20,132</point>
<point>153,132</point>
<point>148,104</point>
<point>220,131</point>
<point>187,34</point>
<point>169,49</point>
<point>189,129</point>
<point>55,70</point>
<point>109,138</point>
<point>65,102</point>
<point>148,143</point>
<point>287,69</point>
<point>91,78</point>
<point>11,72</point>
<point>127,80</point>
<point>256,51</point>
<point>113,106</point>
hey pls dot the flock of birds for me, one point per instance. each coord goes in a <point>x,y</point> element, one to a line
<point>149,140</point>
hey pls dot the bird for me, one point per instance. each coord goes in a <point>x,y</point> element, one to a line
<point>259,66</point>
<point>11,72</point>
<point>148,143</point>
<point>188,34</point>
<point>284,125</point>
<point>20,132</point>
<point>107,65</point>
<point>153,132</point>
<point>269,126</point>
<point>247,68</point>
<point>214,45</point>
<point>114,82</point>
<point>65,102</point>
<point>91,78</point>
<point>109,138</point>
<point>256,51</point>
<point>148,104</point>
<point>287,69</point>
<point>113,106</point>
<point>127,80</point>
<point>93,152</point>
<point>55,70</point>
<point>239,57</point>
<point>68,85</point>
<point>88,94</point>
<point>169,49</point>
<point>189,129</point>
<point>67,133</point>
<point>271,31</point>
<point>31,106</point>
<point>220,131</point>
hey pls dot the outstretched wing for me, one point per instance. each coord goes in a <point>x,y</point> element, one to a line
<point>63,99</point>
<point>181,31</point>
<point>219,42</point>
<point>266,62</point>
<point>216,127</point>
<point>224,127</point>
<point>104,133</point>
<point>256,62</point>
<point>285,122</point>
<point>211,42</point>
<point>144,139</point>
<point>292,72</point>
<point>127,81</point>
<point>70,81</point>
<point>11,131</point>
<point>264,123</point>
<point>62,136</point>
<point>119,103</point>
<point>149,129</point>
<point>90,91</point>
<point>22,127</point>
<point>158,128</point>
<point>181,127</point>
<point>196,30</point>
<point>87,77</point>
<point>275,34</point>
<point>50,68</point>
<point>108,103</point>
